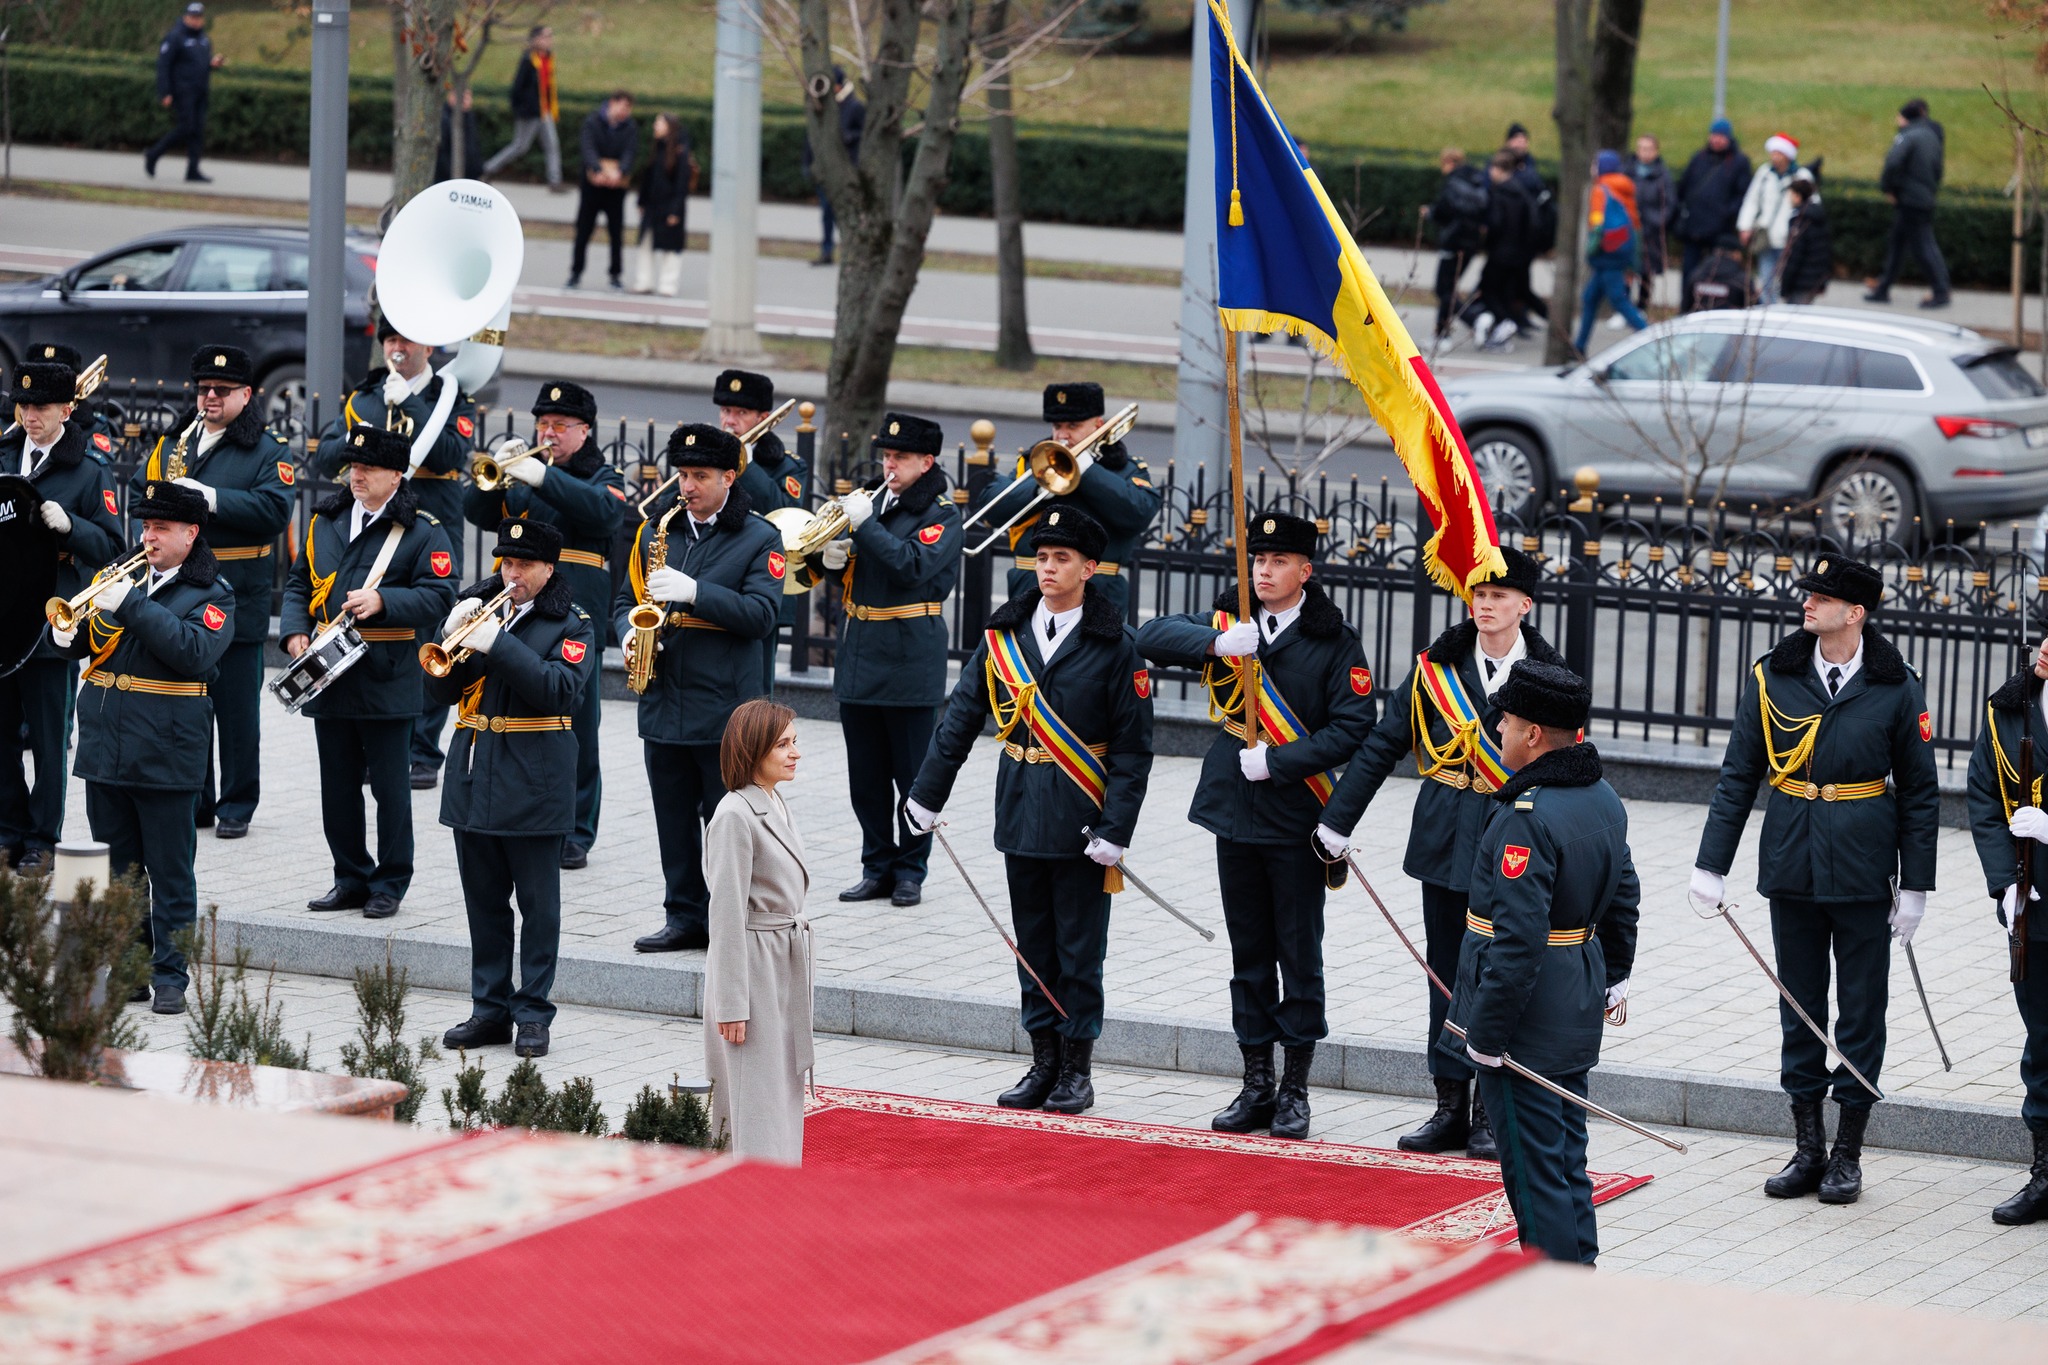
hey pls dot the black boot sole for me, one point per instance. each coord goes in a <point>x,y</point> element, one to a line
<point>1261,1117</point>
<point>1009,1099</point>
<point>1449,1140</point>
<point>1080,1104</point>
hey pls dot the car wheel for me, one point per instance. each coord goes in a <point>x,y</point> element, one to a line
<point>1868,498</point>
<point>284,398</point>
<point>1512,470</point>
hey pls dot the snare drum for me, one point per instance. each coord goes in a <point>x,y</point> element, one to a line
<point>333,652</point>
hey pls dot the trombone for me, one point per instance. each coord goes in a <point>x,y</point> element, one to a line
<point>487,468</point>
<point>440,659</point>
<point>804,534</point>
<point>65,613</point>
<point>1057,470</point>
<point>759,429</point>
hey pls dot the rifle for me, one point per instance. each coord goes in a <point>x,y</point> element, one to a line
<point>2016,938</point>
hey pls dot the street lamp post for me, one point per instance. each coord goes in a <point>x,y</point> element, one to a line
<point>326,218</point>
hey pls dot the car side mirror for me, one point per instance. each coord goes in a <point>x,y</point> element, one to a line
<point>67,282</point>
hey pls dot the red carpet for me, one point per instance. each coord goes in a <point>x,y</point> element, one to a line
<point>1437,1198</point>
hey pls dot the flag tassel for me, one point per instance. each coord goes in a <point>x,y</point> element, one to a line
<point>1236,210</point>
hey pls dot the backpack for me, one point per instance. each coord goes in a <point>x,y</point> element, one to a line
<point>1543,223</point>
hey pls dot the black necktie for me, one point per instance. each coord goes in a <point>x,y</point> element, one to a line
<point>1834,681</point>
<point>1491,667</point>
<point>1051,628</point>
<point>1272,625</point>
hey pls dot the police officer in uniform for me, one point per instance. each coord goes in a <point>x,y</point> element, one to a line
<point>362,722</point>
<point>576,489</point>
<point>1549,944</point>
<point>772,478</point>
<point>245,474</point>
<point>101,432</point>
<point>1057,660</point>
<point>1826,718</point>
<point>1116,493</point>
<point>401,395</point>
<point>153,646</point>
<point>1451,685</point>
<point>1264,803</point>
<point>901,561</point>
<point>79,509</point>
<point>516,697</point>
<point>717,572</point>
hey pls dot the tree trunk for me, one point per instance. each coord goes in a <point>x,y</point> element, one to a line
<point>416,141</point>
<point>1597,41</point>
<point>1617,36</point>
<point>1013,326</point>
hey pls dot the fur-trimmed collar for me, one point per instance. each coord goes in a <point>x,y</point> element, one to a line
<point>1099,616</point>
<point>403,508</point>
<point>1575,765</point>
<point>555,601</point>
<point>1320,618</point>
<point>1112,456</point>
<point>1456,645</point>
<point>2018,692</point>
<point>68,453</point>
<point>1881,658</point>
<point>919,497</point>
<point>769,453</point>
<point>243,433</point>
<point>588,459</point>
<point>730,517</point>
<point>200,568</point>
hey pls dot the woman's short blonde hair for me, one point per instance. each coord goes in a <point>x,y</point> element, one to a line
<point>749,735</point>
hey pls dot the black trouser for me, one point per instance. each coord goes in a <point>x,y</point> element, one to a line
<point>884,746</point>
<point>1542,1143</point>
<point>1443,932</point>
<point>493,869</point>
<point>2031,995</point>
<point>1695,252</point>
<point>1913,230</point>
<point>1273,909</point>
<point>589,771</point>
<point>188,132</point>
<point>1501,292</point>
<point>40,697</point>
<point>612,205</point>
<point>433,719</point>
<point>684,782</point>
<point>1861,940</point>
<point>1449,265</point>
<point>237,723</point>
<point>1061,917</point>
<point>151,832</point>
<point>348,749</point>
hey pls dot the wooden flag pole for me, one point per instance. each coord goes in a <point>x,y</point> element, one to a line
<point>1241,523</point>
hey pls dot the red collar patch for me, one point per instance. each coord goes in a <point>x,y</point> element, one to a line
<point>573,651</point>
<point>286,474</point>
<point>1361,681</point>
<point>442,561</point>
<point>930,534</point>
<point>1514,861</point>
<point>100,439</point>
<point>1141,682</point>
<point>214,617</point>
<point>776,563</point>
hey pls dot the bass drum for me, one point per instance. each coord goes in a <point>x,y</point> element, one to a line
<point>28,561</point>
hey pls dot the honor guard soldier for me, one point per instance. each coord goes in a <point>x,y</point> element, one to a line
<point>1116,492</point>
<point>101,433</point>
<point>574,487</point>
<point>901,563</point>
<point>1263,803</point>
<point>401,395</point>
<point>1835,721</point>
<point>79,509</point>
<point>1445,714</point>
<point>151,649</point>
<point>770,476</point>
<point>1072,702</point>
<point>372,553</point>
<point>221,450</point>
<point>715,571</point>
<point>517,690</point>
<point>1550,940</point>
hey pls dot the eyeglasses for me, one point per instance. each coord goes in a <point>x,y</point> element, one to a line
<point>219,390</point>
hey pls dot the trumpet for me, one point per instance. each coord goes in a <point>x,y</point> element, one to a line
<point>65,613</point>
<point>441,659</point>
<point>488,468</point>
<point>759,429</point>
<point>1057,470</point>
<point>804,534</point>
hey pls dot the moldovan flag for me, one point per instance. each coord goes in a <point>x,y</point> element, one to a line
<point>1285,261</point>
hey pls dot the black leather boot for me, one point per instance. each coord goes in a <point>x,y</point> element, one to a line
<point>1290,1104</point>
<point>1445,1130</point>
<point>1480,1145</point>
<point>2030,1203</point>
<point>1076,1090</point>
<point>1044,1074</point>
<point>1844,1180</point>
<point>1802,1174</point>
<point>1253,1107</point>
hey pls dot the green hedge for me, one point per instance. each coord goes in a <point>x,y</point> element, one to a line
<point>1126,178</point>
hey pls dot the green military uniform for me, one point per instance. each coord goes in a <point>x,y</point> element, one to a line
<point>772,479</point>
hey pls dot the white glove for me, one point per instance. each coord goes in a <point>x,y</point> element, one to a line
<point>56,518</point>
<point>1484,1059</point>
<point>204,490</point>
<point>2030,822</point>
<point>1252,763</point>
<point>922,820</point>
<point>1100,850</point>
<point>1907,914</point>
<point>466,608</point>
<point>1333,843</point>
<point>1617,993</point>
<point>671,585</point>
<point>62,638</point>
<point>110,600</point>
<point>2009,902</point>
<point>858,505</point>
<point>397,388</point>
<point>485,635</point>
<point>530,472</point>
<point>835,554</point>
<point>1708,889</point>
<point>1240,639</point>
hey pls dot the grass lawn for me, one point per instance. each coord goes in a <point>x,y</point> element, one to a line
<point>1830,72</point>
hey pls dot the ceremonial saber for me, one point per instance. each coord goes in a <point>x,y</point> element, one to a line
<point>1135,880</point>
<point>1927,1009</point>
<point>1544,1082</point>
<point>1725,911</point>
<point>939,829</point>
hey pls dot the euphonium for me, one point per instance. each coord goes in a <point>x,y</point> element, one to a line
<point>645,618</point>
<point>441,659</point>
<point>66,613</point>
<point>89,382</point>
<point>488,468</point>
<point>804,534</point>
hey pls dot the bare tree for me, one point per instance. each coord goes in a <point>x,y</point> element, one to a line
<point>422,52</point>
<point>1597,42</point>
<point>1013,325</point>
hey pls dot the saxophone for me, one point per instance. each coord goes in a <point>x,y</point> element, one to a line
<point>174,468</point>
<point>645,618</point>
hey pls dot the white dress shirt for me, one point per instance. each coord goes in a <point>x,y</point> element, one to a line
<point>1822,668</point>
<point>1061,625</point>
<point>157,578</point>
<point>1493,672</point>
<point>360,517</point>
<point>208,440</point>
<point>1271,623</point>
<point>32,457</point>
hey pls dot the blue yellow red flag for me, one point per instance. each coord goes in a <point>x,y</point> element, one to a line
<point>1286,262</point>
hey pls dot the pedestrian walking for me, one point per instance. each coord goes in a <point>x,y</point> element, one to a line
<point>185,63</point>
<point>610,139</point>
<point>1503,310</point>
<point>472,142</point>
<point>1708,196</point>
<point>536,106</point>
<point>1764,222</point>
<point>1459,216</point>
<point>1910,180</point>
<point>1809,260</point>
<point>664,186</point>
<point>1612,233</point>
<point>853,122</point>
<point>1543,216</point>
<point>1655,196</point>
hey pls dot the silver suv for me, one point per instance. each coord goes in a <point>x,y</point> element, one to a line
<point>1863,421</point>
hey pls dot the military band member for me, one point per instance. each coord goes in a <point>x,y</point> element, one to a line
<point>577,490</point>
<point>1263,803</point>
<point>772,478</point>
<point>1072,702</point>
<point>1116,492</point>
<point>1549,944</point>
<point>901,563</point>
<point>103,435</point>
<point>516,697</point>
<point>245,474</point>
<point>1446,715</point>
<point>1826,718</point>
<point>717,571</point>
<point>374,554</point>
<point>79,509</point>
<point>152,647</point>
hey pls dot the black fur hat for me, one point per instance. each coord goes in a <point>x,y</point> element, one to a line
<point>1073,402</point>
<point>525,538</point>
<point>378,448</point>
<point>699,445</point>
<point>1524,574</point>
<point>1073,528</point>
<point>1835,576</point>
<point>57,353</point>
<point>567,399</point>
<point>36,384</point>
<point>167,501</point>
<point>1545,694</point>
<point>1281,533</point>
<point>911,435</point>
<point>223,365</point>
<point>743,389</point>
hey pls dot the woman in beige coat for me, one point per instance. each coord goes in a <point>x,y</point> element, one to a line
<point>757,980</point>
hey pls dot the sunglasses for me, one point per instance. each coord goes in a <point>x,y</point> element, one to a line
<point>219,390</point>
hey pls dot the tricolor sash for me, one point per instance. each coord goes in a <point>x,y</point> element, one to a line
<point>1006,662</point>
<point>1469,742</point>
<point>1276,718</point>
